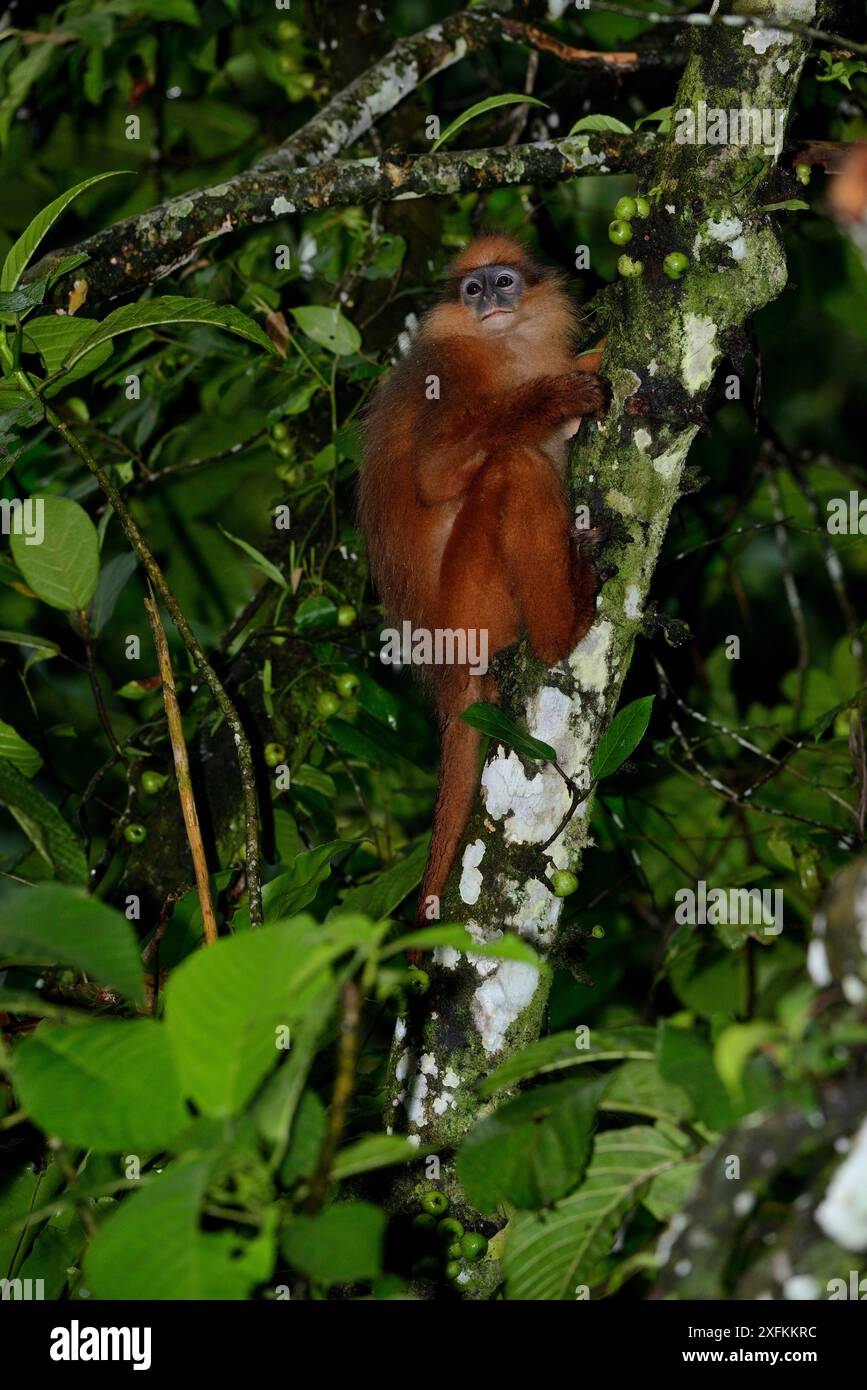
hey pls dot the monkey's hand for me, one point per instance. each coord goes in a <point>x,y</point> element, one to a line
<point>590,394</point>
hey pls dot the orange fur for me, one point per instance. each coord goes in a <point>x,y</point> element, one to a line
<point>462,499</point>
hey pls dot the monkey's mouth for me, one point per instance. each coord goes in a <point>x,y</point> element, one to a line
<point>491,312</point>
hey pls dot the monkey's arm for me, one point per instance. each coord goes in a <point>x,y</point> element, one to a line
<point>460,440</point>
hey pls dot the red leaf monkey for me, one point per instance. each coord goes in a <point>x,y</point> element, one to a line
<point>462,498</point>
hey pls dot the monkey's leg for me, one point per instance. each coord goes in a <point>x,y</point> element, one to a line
<point>553,578</point>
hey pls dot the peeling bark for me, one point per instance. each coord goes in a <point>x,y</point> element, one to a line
<point>665,342</point>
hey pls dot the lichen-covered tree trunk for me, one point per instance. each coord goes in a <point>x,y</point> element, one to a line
<point>665,341</point>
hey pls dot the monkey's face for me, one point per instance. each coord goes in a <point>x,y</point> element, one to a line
<point>492,295</point>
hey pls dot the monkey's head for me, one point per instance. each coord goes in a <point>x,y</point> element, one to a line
<point>496,287</point>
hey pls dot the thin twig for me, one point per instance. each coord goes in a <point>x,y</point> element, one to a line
<point>733,21</point>
<point>182,770</point>
<point>344,1086</point>
<point>96,688</point>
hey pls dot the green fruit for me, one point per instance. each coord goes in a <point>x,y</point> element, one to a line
<point>419,980</point>
<point>434,1202</point>
<point>424,1222</point>
<point>286,63</point>
<point>275,754</point>
<point>803,172</point>
<point>675,264</point>
<point>289,474</point>
<point>628,267</point>
<point>563,883</point>
<point>346,615</point>
<point>286,449</point>
<point>473,1246</point>
<point>642,207</point>
<point>327,704</point>
<point>347,683</point>
<point>449,1229</point>
<point>598,932</point>
<point>625,209</point>
<point>619,232</point>
<point>151,781</point>
<point>135,832</point>
<point>279,430</point>
<point>452,1269</point>
<point>287,31</point>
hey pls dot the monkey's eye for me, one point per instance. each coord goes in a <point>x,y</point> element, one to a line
<point>472,288</point>
<point>505,282</point>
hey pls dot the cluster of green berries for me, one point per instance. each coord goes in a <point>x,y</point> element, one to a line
<point>151,782</point>
<point>328,702</point>
<point>457,1247</point>
<point>802,173</point>
<point>620,233</point>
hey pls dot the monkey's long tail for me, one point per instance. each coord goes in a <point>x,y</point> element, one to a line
<point>456,790</point>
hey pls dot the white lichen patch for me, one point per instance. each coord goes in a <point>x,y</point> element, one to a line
<point>817,964</point>
<point>447,956</point>
<point>643,439</point>
<point>416,1097</point>
<point>500,1000</point>
<point>801,1287</point>
<point>396,81</point>
<point>699,355</point>
<point>729,230</point>
<point>590,659</point>
<point>510,793</point>
<point>854,989</point>
<point>842,1214</point>
<point>281,206</point>
<point>632,602</point>
<point>428,1064</point>
<point>471,878</point>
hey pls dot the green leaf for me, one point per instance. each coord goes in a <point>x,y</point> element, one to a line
<point>113,578</point>
<point>227,1007</point>
<point>289,893</point>
<point>663,115</point>
<point>379,898</point>
<point>171,308</point>
<point>259,560</point>
<point>559,1051</point>
<point>53,925</point>
<point>110,1086</point>
<point>533,1149</point>
<point>315,611</point>
<point>42,223</point>
<point>64,568</point>
<point>329,328</point>
<point>637,1088</point>
<point>55,337</point>
<point>549,1254</point>
<point>489,104</point>
<point>55,1251</point>
<point>601,123</point>
<point>309,1128</point>
<point>622,736</point>
<point>152,1247</point>
<point>21,754</point>
<point>788,205</point>
<point>43,825</point>
<point>276,1107</point>
<point>14,302</point>
<point>340,1246</point>
<point>490,720</point>
<point>507,947</point>
<point>686,1060</point>
<point>372,1152</point>
<point>41,647</point>
<point>734,1047</point>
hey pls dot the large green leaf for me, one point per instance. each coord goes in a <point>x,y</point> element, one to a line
<point>111,1086</point>
<point>19,752</point>
<point>171,308</point>
<point>341,1245</point>
<point>290,893</point>
<point>372,1152</point>
<point>549,1254</point>
<point>63,569</point>
<point>153,1247</point>
<point>329,328</point>
<point>533,1149</point>
<point>225,1005</point>
<point>379,898</point>
<point>53,925</point>
<point>490,720</point>
<point>637,1088</point>
<point>489,104</point>
<point>43,825</point>
<point>686,1060</point>
<point>623,735</point>
<point>54,337</point>
<point>560,1051</point>
<point>42,223</point>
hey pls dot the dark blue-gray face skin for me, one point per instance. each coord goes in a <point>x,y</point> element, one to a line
<point>492,289</point>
